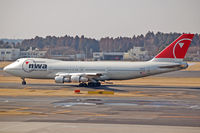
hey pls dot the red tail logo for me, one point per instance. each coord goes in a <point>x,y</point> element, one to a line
<point>178,48</point>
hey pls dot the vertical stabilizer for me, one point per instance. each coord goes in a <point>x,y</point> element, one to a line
<point>176,51</point>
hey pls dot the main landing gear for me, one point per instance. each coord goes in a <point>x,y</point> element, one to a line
<point>23,81</point>
<point>90,84</point>
<point>83,85</point>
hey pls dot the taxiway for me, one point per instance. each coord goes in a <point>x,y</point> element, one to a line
<point>40,107</point>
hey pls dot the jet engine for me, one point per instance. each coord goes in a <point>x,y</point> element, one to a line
<point>73,78</point>
<point>76,78</point>
<point>84,79</point>
<point>59,79</point>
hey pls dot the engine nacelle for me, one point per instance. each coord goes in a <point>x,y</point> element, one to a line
<point>59,79</point>
<point>67,80</point>
<point>83,79</point>
<point>76,78</point>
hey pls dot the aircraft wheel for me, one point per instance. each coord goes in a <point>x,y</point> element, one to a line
<point>83,85</point>
<point>98,84</point>
<point>90,84</point>
<point>23,82</point>
<point>94,84</point>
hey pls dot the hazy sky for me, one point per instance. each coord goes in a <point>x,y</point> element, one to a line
<point>96,18</point>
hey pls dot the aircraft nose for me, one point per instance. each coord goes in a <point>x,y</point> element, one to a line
<point>5,69</point>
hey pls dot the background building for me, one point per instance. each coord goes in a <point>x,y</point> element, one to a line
<point>15,53</point>
<point>30,53</point>
<point>137,53</point>
<point>79,57</point>
<point>108,55</point>
<point>9,54</point>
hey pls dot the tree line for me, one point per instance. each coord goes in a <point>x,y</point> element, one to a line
<point>72,45</point>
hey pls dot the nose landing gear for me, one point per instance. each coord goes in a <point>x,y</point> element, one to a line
<point>23,81</point>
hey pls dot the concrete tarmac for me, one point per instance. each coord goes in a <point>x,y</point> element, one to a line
<point>154,108</point>
<point>49,127</point>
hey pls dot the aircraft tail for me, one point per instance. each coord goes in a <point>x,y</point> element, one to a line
<point>176,51</point>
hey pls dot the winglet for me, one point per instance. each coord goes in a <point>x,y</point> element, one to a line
<point>177,50</point>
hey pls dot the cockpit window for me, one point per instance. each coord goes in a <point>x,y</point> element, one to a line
<point>17,60</point>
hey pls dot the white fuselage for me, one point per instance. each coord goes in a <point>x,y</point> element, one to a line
<point>49,68</point>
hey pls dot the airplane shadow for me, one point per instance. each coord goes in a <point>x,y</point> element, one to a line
<point>57,87</point>
<point>154,86</point>
<point>108,88</point>
<point>116,88</point>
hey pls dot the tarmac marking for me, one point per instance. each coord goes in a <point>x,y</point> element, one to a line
<point>27,88</point>
<point>95,114</point>
<point>61,112</point>
<point>20,111</point>
<point>15,112</point>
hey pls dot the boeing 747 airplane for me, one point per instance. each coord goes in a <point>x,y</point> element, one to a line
<point>93,73</point>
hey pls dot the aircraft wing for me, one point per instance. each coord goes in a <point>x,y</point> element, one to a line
<point>80,74</point>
